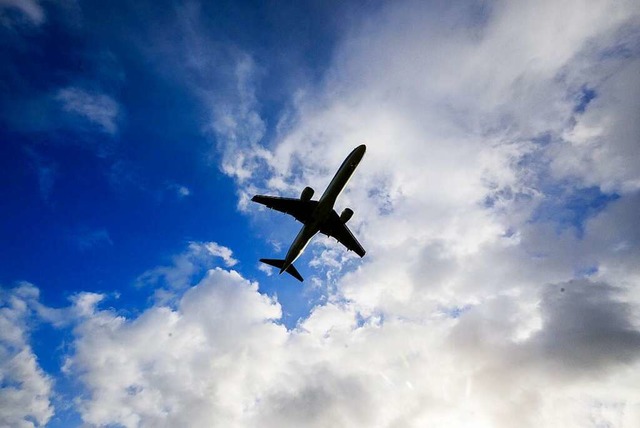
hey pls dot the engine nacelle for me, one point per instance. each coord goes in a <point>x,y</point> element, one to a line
<point>347,213</point>
<point>306,194</point>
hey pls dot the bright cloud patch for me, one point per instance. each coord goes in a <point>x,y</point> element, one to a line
<point>97,108</point>
<point>486,179</point>
<point>219,357</point>
<point>206,360</point>
<point>498,202</point>
<point>31,9</point>
<point>25,390</point>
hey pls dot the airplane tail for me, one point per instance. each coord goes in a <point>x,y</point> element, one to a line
<point>291,270</point>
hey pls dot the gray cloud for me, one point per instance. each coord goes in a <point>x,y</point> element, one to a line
<point>587,328</point>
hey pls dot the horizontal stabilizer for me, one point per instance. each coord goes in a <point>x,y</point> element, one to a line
<point>291,270</point>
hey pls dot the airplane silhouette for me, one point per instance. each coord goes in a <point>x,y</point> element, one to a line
<point>317,216</point>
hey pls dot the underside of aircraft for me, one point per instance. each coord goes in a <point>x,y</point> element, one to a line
<point>317,215</point>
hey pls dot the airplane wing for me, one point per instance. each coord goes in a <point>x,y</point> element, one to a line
<point>338,230</point>
<point>297,208</point>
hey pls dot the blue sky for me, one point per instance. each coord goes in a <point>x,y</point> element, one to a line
<point>94,205</point>
<point>501,168</point>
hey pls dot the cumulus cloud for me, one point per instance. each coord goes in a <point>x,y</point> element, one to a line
<point>501,159</point>
<point>25,390</point>
<point>463,124</point>
<point>478,303</point>
<point>97,108</point>
<point>198,364</point>
<point>220,358</point>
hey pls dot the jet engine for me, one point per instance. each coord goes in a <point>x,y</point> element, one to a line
<point>347,213</point>
<point>306,194</point>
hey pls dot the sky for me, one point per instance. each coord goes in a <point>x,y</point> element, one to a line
<point>497,202</point>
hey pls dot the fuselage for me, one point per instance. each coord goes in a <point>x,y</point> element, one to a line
<point>325,206</point>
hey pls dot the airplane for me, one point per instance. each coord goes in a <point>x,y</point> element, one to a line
<point>317,216</point>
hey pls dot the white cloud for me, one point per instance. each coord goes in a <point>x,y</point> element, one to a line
<point>223,77</point>
<point>25,390</point>
<point>465,311</point>
<point>97,108</point>
<point>220,359</point>
<point>452,104</point>
<point>179,190</point>
<point>471,120</point>
<point>199,364</point>
<point>31,9</point>
<point>186,267</point>
<point>219,251</point>
<point>236,123</point>
<point>266,269</point>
